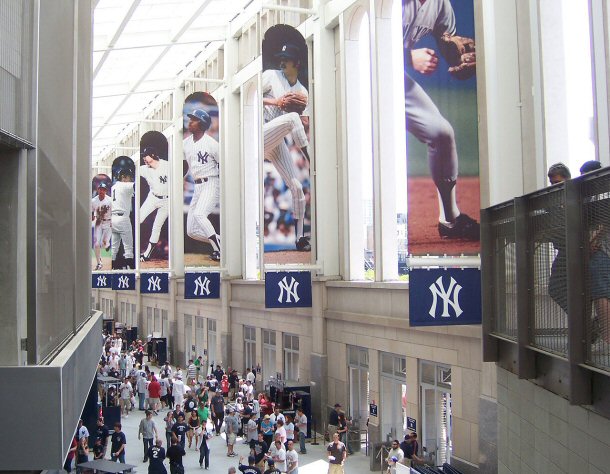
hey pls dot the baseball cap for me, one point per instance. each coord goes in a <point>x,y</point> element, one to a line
<point>270,461</point>
<point>394,459</point>
<point>338,405</point>
<point>267,417</point>
<point>202,116</point>
<point>289,51</point>
<point>149,151</point>
<point>251,459</point>
<point>102,185</point>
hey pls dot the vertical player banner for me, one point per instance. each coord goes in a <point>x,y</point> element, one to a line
<point>286,132</point>
<point>154,172</point>
<point>201,181</point>
<point>123,215</point>
<point>442,137</point>
<point>101,222</point>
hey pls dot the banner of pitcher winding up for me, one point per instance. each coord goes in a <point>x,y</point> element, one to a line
<point>442,135</point>
<point>287,155</point>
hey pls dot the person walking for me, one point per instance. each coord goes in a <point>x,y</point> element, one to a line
<point>175,453</point>
<point>337,453</point>
<point>148,432</point>
<point>156,454</point>
<point>117,444</point>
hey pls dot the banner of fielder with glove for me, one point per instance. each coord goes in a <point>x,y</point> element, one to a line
<point>441,117</point>
<point>101,222</point>
<point>286,113</point>
<point>201,181</point>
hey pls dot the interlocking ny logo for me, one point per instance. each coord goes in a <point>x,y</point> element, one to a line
<point>438,290</point>
<point>154,283</point>
<point>123,282</point>
<point>163,179</point>
<point>203,157</point>
<point>101,280</point>
<point>202,288</point>
<point>290,289</point>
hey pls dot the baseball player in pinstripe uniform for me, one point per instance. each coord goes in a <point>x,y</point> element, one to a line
<point>424,120</point>
<point>280,125</point>
<point>101,208</point>
<point>122,192</point>
<point>201,154</point>
<point>155,172</point>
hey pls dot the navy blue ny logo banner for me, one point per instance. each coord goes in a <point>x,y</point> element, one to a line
<point>444,297</point>
<point>101,280</point>
<point>288,290</point>
<point>123,281</point>
<point>201,285</point>
<point>154,282</point>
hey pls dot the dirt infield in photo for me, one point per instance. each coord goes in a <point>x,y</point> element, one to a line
<point>423,217</point>
<point>199,260</point>
<point>161,264</point>
<point>106,263</point>
<point>287,257</point>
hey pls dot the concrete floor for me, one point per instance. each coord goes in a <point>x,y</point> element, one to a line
<point>314,462</point>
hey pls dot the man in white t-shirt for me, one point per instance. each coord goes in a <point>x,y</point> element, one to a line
<point>292,459</point>
<point>178,390</point>
<point>278,454</point>
<point>126,391</point>
<point>301,422</point>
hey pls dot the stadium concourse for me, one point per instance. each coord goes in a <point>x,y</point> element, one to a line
<point>314,462</point>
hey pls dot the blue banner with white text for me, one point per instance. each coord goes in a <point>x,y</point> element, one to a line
<point>101,280</point>
<point>288,290</point>
<point>123,281</point>
<point>444,297</point>
<point>154,283</point>
<point>201,285</point>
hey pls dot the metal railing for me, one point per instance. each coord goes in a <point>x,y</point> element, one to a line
<point>546,278</point>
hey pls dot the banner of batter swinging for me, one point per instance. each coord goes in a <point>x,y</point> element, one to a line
<point>201,181</point>
<point>442,135</point>
<point>287,155</point>
<point>154,173</point>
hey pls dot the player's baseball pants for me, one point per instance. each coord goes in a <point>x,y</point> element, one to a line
<point>425,121</point>
<point>122,231</point>
<point>102,234</point>
<point>205,199</point>
<point>161,205</point>
<point>277,152</point>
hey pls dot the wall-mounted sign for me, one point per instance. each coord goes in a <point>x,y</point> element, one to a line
<point>154,283</point>
<point>444,297</point>
<point>201,285</point>
<point>123,281</point>
<point>288,290</point>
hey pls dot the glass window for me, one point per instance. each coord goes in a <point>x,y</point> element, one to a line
<point>157,327</point>
<point>359,149</point>
<point>567,82</point>
<point>249,347</point>
<point>165,323</point>
<point>269,355</point>
<point>212,341</point>
<point>291,357</point>
<point>188,337</point>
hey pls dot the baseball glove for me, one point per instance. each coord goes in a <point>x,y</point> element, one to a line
<point>293,102</point>
<point>461,55</point>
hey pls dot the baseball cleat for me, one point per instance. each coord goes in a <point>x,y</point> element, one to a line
<point>464,227</point>
<point>143,258</point>
<point>303,244</point>
<point>215,255</point>
<point>99,266</point>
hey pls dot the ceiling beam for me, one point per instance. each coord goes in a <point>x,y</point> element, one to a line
<point>117,34</point>
<point>180,30</point>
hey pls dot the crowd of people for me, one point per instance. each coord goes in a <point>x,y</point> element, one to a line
<point>190,413</point>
